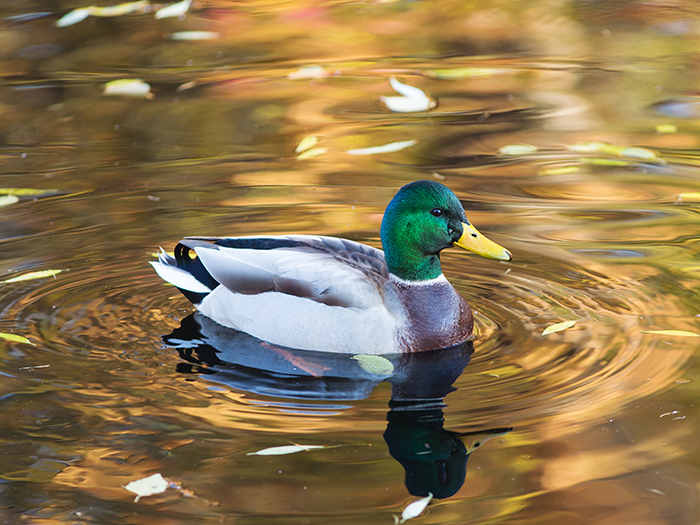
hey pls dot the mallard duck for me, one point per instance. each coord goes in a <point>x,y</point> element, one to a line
<point>331,294</point>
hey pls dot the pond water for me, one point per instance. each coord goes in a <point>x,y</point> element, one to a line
<point>595,423</point>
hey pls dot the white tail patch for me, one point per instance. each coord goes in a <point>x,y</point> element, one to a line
<point>179,278</point>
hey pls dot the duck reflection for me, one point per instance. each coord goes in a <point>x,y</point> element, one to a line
<point>435,459</point>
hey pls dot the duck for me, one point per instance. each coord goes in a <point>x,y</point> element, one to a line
<point>313,292</point>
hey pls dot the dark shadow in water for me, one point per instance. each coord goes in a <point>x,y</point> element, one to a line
<point>435,459</point>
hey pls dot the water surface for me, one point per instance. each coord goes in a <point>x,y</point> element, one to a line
<point>603,415</point>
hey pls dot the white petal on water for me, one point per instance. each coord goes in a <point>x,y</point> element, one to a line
<point>73,17</point>
<point>416,508</point>
<point>176,9</point>
<point>386,148</point>
<point>307,142</point>
<point>130,87</point>
<point>286,449</point>
<point>558,327</point>
<point>517,149</point>
<point>375,364</point>
<point>195,35</point>
<point>307,72</point>
<point>405,89</point>
<point>412,99</point>
<point>6,200</point>
<point>149,486</point>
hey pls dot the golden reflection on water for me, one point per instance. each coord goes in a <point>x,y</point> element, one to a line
<point>604,415</point>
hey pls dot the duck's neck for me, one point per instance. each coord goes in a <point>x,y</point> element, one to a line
<point>408,263</point>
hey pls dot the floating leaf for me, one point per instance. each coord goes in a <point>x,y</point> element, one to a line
<point>412,98</point>
<point>517,149</point>
<point>15,338</point>
<point>639,153</point>
<point>306,72</point>
<point>311,153</point>
<point>464,72</point>
<point>25,191</point>
<point>480,437</point>
<point>130,87</point>
<point>595,147</point>
<point>605,162</point>
<point>33,275</point>
<point>558,327</point>
<point>195,35</point>
<point>666,128</point>
<point>73,17</point>
<point>503,371</point>
<point>563,170</point>
<point>386,148</point>
<point>689,197</point>
<point>6,200</point>
<point>119,10</point>
<point>677,333</point>
<point>415,509</point>
<point>176,9</point>
<point>619,151</point>
<point>375,364</point>
<point>307,142</point>
<point>155,484</point>
<point>286,449</point>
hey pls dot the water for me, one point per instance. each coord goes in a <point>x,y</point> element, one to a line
<point>603,415</point>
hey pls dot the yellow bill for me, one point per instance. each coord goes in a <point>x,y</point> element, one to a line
<point>474,241</point>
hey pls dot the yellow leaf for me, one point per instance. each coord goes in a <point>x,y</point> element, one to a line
<point>595,147</point>
<point>503,371</point>
<point>517,149</point>
<point>689,197</point>
<point>15,338</point>
<point>6,200</point>
<point>677,333</point>
<point>564,170</point>
<point>32,275</point>
<point>465,72</point>
<point>558,327</point>
<point>666,128</point>
<point>307,142</point>
<point>311,153</point>
<point>25,191</point>
<point>119,10</point>
<point>375,364</point>
<point>605,162</point>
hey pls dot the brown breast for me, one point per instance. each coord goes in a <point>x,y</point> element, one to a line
<point>436,316</point>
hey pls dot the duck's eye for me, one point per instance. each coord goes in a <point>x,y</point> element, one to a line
<point>436,212</point>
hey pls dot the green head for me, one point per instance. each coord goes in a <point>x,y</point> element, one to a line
<point>422,219</point>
